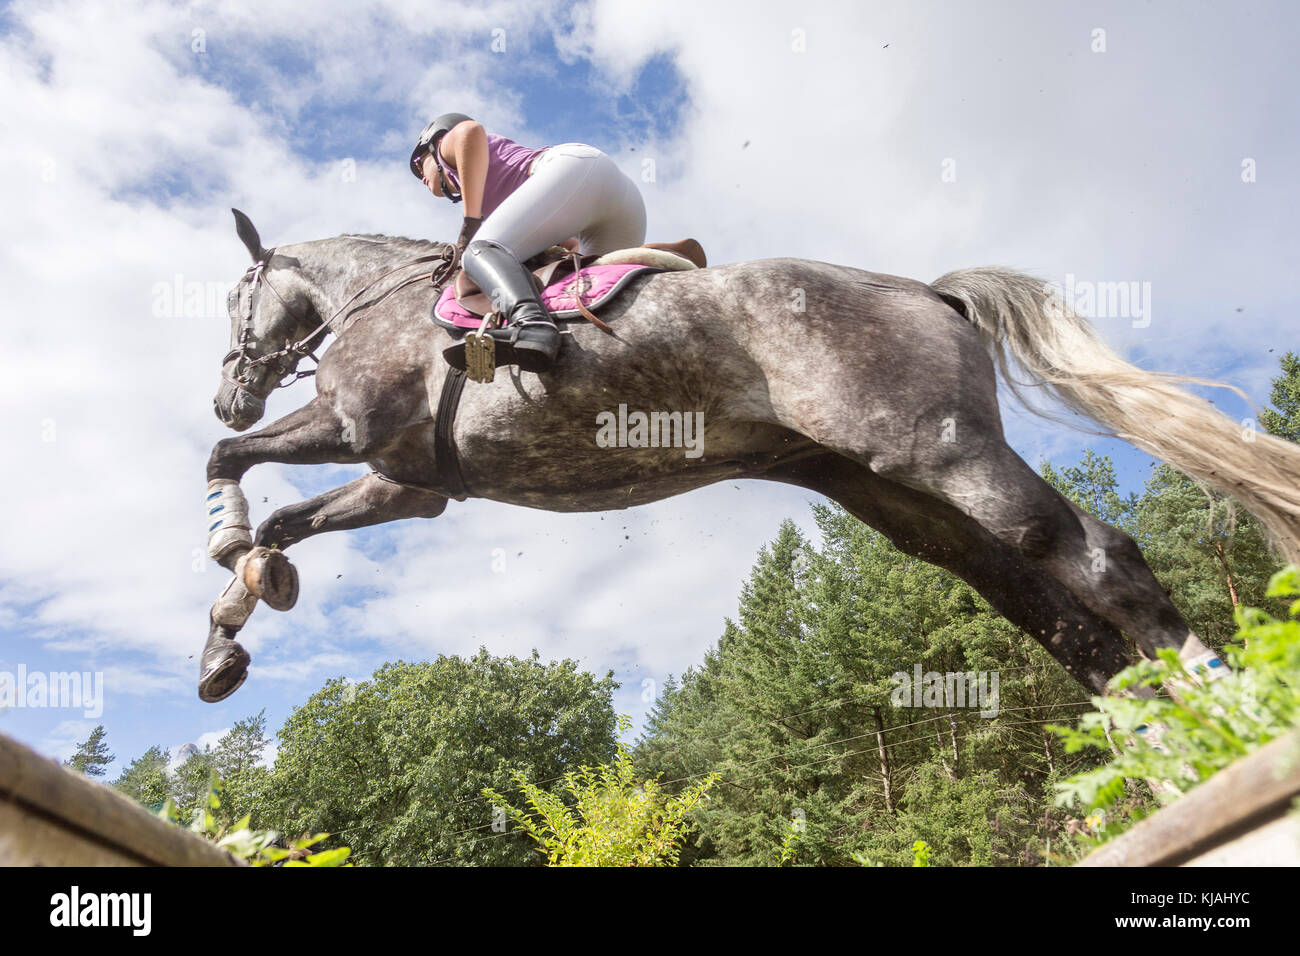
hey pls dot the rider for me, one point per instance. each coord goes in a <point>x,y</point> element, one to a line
<point>519,201</point>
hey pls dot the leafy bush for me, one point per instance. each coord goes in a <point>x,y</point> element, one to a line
<point>1175,742</point>
<point>253,846</point>
<point>605,816</point>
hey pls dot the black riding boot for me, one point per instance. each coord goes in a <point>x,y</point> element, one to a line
<point>530,338</point>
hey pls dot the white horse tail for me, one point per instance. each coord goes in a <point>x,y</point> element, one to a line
<point>1021,317</point>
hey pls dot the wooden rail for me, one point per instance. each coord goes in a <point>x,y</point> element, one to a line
<point>51,816</point>
<point>1239,817</point>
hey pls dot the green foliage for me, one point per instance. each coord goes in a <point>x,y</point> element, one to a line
<point>787,853</point>
<point>1208,553</point>
<point>605,816</point>
<point>920,856</point>
<point>236,760</point>
<point>1094,487</point>
<point>1284,419</point>
<point>253,846</point>
<point>792,705</point>
<point>395,765</point>
<point>92,755</point>
<point>1182,739</point>
<point>794,708</point>
<point>145,779</point>
<point>191,780</point>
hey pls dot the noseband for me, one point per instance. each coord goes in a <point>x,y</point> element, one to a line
<point>247,357</point>
<point>284,361</point>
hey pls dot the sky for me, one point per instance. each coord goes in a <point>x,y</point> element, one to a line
<point>1152,143</point>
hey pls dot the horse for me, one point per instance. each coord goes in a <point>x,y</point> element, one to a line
<point>876,391</point>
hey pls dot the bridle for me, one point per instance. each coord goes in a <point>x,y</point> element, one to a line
<point>285,360</point>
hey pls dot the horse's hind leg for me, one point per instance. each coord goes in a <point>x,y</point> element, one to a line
<point>917,404</point>
<point>1089,648</point>
<point>368,500</point>
<point>1098,563</point>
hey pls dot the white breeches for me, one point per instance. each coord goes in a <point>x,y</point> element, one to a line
<point>574,190</point>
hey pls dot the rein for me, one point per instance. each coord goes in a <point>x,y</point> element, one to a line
<point>285,360</point>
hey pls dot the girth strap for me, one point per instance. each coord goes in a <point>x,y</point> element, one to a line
<point>446,458</point>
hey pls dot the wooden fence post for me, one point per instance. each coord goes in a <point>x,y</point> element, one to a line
<point>1239,817</point>
<point>52,816</point>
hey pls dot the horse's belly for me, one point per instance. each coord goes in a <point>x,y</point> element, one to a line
<point>616,460</point>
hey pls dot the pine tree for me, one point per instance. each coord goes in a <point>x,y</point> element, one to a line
<point>818,763</point>
<point>1208,553</point>
<point>236,759</point>
<point>1285,421</point>
<point>1094,487</point>
<point>92,754</point>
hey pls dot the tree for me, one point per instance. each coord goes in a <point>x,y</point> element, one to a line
<point>1284,422</point>
<point>1210,555</point>
<point>795,707</point>
<point>145,779</point>
<point>237,761</point>
<point>92,755</point>
<point>615,817</point>
<point>191,781</point>
<point>1094,487</point>
<point>394,766</point>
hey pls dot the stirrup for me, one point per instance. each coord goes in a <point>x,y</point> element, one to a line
<point>480,353</point>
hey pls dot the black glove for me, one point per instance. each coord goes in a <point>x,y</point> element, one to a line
<point>467,229</point>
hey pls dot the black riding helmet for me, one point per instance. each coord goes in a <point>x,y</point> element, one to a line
<point>428,143</point>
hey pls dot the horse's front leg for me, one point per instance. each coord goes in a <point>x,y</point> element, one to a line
<point>313,434</point>
<point>368,500</point>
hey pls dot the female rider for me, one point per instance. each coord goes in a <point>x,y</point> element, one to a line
<point>519,201</point>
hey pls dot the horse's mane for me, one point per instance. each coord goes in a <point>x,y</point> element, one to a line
<point>379,237</point>
<point>374,246</point>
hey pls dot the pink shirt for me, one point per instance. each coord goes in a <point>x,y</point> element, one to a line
<point>508,164</point>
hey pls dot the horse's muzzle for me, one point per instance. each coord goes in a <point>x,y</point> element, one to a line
<point>236,408</point>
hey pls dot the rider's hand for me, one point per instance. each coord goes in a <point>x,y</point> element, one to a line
<point>467,230</point>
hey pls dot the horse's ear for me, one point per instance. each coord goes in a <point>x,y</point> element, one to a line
<point>247,233</point>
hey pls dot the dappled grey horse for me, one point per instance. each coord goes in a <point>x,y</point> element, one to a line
<point>876,391</point>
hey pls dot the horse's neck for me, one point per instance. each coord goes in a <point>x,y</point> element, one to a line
<point>336,269</point>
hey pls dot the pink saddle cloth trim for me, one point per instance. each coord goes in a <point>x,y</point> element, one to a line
<point>595,284</point>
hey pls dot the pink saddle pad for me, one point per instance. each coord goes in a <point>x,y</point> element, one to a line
<point>595,284</point>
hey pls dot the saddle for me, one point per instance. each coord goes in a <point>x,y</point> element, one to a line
<point>570,286</point>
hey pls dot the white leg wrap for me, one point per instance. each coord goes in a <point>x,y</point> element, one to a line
<point>236,601</point>
<point>1201,661</point>
<point>228,526</point>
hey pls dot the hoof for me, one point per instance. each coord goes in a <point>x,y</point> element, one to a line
<point>269,575</point>
<point>223,667</point>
